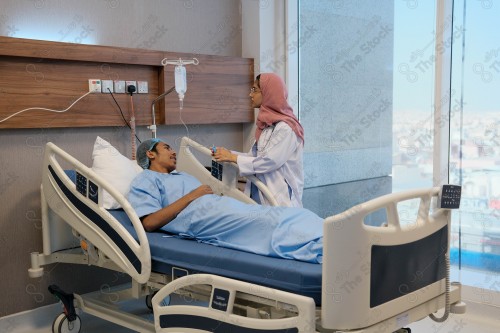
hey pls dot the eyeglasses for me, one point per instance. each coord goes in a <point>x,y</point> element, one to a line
<point>254,90</point>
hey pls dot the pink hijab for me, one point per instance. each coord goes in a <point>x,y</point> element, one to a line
<point>274,107</point>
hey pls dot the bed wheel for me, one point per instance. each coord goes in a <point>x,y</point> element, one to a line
<point>403,330</point>
<point>164,302</point>
<point>62,325</point>
<point>149,298</point>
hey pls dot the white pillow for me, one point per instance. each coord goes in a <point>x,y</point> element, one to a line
<point>115,168</point>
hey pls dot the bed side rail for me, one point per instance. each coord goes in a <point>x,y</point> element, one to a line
<point>226,185</point>
<point>375,272</point>
<point>220,304</point>
<point>79,206</point>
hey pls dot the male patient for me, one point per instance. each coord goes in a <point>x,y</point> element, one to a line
<point>178,203</point>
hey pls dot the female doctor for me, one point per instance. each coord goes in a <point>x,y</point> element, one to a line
<point>276,155</point>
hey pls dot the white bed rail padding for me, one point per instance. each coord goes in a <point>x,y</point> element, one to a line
<point>219,311</point>
<point>187,162</point>
<point>362,263</point>
<point>84,213</point>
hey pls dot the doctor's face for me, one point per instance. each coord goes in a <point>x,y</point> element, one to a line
<point>256,95</point>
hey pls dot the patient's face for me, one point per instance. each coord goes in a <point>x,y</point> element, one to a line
<point>165,158</point>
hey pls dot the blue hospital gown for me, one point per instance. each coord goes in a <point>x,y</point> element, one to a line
<point>285,232</point>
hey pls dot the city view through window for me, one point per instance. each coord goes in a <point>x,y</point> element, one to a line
<point>475,136</point>
<point>474,115</point>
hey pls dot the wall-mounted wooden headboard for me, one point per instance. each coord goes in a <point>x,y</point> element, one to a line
<point>53,75</point>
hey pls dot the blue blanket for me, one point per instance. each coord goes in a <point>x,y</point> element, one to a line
<point>285,232</point>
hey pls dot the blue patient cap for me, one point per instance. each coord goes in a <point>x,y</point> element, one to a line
<point>142,158</point>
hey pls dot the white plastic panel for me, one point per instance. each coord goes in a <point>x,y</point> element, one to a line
<point>347,260</point>
<point>70,206</point>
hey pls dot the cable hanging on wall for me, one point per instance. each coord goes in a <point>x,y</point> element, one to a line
<point>43,109</point>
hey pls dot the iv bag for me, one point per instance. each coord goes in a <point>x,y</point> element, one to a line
<point>180,81</point>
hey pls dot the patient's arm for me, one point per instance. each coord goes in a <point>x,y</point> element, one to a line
<point>162,217</point>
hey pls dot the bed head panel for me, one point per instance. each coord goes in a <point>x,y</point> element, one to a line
<point>372,273</point>
<point>85,215</point>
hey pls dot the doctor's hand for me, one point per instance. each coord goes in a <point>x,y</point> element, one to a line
<point>222,154</point>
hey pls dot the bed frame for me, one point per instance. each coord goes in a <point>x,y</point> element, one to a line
<point>374,278</point>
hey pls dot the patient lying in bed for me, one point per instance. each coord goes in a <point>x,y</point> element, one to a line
<point>177,203</point>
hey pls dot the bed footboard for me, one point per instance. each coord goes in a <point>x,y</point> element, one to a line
<point>371,273</point>
<point>70,210</point>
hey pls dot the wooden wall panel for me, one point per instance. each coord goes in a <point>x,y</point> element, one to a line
<point>53,75</point>
<point>53,84</point>
<point>217,92</point>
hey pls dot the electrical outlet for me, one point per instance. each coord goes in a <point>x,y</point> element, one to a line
<point>130,83</point>
<point>94,85</point>
<point>119,86</point>
<point>142,87</point>
<point>105,85</point>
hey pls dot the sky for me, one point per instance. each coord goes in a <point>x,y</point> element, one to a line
<point>477,76</point>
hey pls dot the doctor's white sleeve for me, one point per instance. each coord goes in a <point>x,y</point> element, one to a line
<point>278,150</point>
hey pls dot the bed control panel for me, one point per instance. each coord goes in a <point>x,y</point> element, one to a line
<point>81,184</point>
<point>216,170</point>
<point>93,192</point>
<point>450,196</point>
<point>87,188</point>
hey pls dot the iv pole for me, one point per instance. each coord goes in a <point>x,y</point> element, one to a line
<point>153,126</point>
<point>166,62</point>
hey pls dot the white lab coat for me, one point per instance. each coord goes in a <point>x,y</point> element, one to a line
<point>277,161</point>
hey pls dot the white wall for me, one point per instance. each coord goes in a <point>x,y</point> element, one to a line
<point>198,26</point>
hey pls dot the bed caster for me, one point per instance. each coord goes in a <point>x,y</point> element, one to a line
<point>403,330</point>
<point>149,298</point>
<point>68,321</point>
<point>62,324</point>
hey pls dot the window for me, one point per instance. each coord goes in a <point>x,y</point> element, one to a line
<point>475,135</point>
<point>366,100</point>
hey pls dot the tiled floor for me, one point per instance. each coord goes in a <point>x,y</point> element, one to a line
<point>479,318</point>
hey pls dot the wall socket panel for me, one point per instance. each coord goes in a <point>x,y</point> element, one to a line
<point>107,86</point>
<point>130,83</point>
<point>142,87</point>
<point>94,85</point>
<point>117,86</point>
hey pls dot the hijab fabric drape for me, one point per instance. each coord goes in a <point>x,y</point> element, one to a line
<point>274,107</point>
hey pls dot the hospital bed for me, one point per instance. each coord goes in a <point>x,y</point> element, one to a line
<point>373,278</point>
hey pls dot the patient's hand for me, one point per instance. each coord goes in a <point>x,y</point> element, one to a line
<point>163,216</point>
<point>201,191</point>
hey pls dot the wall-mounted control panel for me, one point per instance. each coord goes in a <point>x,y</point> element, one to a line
<point>450,196</point>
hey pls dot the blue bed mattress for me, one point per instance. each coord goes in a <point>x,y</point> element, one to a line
<point>288,275</point>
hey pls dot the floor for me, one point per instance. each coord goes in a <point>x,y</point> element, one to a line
<point>479,318</point>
